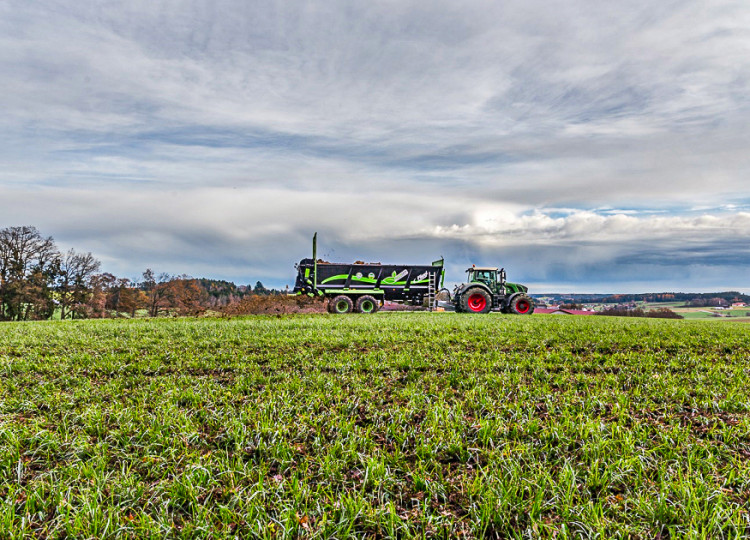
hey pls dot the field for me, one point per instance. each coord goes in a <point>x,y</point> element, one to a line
<point>735,314</point>
<point>392,425</point>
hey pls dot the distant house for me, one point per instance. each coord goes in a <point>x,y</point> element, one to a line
<point>739,304</point>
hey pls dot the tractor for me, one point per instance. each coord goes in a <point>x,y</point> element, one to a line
<point>487,290</point>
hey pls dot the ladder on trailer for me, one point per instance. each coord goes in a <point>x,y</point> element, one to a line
<point>432,293</point>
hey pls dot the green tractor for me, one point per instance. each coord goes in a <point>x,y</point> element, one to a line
<point>486,290</point>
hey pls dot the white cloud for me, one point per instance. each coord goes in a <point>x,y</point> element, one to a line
<point>589,225</point>
<point>249,233</point>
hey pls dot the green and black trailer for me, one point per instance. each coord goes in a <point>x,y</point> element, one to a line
<point>363,287</point>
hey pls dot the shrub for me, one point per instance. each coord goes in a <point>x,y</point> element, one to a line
<point>663,313</point>
<point>274,304</point>
<point>658,313</point>
<point>623,312</point>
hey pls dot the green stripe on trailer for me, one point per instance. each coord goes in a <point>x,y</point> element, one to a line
<point>354,291</point>
<point>388,281</point>
<point>385,281</point>
<point>346,276</point>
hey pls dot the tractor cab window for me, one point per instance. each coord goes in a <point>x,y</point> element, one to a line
<point>485,276</point>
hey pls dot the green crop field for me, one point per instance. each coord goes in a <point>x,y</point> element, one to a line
<point>390,425</point>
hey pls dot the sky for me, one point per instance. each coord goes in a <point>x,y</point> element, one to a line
<point>583,146</point>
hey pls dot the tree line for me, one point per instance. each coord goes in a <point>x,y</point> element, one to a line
<point>38,281</point>
<point>693,299</point>
<point>725,298</point>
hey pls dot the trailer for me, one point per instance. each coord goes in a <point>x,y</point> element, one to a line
<point>364,287</point>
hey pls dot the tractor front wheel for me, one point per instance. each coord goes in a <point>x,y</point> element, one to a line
<point>341,304</point>
<point>476,300</point>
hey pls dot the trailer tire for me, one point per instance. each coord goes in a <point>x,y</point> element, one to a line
<point>367,304</point>
<point>521,305</point>
<point>476,300</point>
<point>341,304</point>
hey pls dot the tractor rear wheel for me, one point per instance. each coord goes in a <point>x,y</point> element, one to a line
<point>341,304</point>
<point>521,305</point>
<point>367,304</point>
<point>476,300</point>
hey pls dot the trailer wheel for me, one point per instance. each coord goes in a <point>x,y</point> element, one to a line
<point>521,305</point>
<point>476,300</point>
<point>341,304</point>
<point>367,304</point>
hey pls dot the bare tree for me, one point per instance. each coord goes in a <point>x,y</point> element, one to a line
<point>132,298</point>
<point>74,283</point>
<point>96,299</point>
<point>29,264</point>
<point>123,295</point>
<point>156,290</point>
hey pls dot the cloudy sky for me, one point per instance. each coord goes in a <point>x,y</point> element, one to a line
<point>584,146</point>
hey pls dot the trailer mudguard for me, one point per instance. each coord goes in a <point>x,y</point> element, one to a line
<point>464,286</point>
<point>461,289</point>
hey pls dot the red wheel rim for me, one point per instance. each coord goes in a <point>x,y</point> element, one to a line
<point>523,306</point>
<point>477,302</point>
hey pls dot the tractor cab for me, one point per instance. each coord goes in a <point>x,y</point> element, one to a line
<point>492,277</point>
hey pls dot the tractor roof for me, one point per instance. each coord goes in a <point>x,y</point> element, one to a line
<point>482,268</point>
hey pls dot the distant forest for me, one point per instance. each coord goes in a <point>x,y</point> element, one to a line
<point>691,299</point>
<point>37,281</point>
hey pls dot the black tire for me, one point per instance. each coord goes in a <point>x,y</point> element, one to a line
<point>476,300</point>
<point>521,305</point>
<point>367,304</point>
<point>341,304</point>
